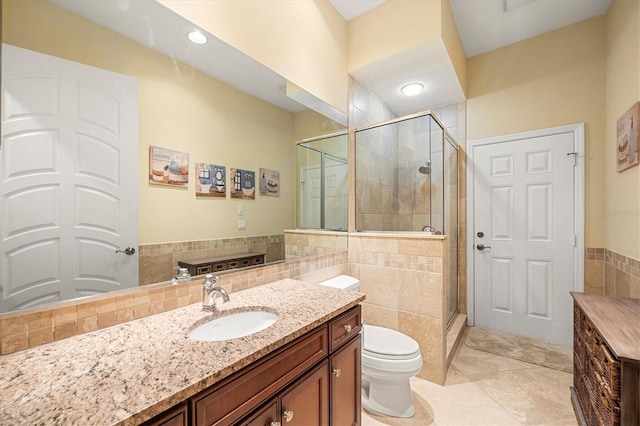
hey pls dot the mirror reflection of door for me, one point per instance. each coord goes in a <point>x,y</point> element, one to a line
<point>69,140</point>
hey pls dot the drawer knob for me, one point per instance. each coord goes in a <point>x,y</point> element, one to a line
<point>347,328</point>
<point>275,424</point>
<point>288,416</point>
<point>336,372</point>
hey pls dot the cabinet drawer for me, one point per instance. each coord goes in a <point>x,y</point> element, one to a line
<point>242,392</point>
<point>344,327</point>
<point>233,264</point>
<point>176,416</point>
<point>245,262</point>
<point>257,260</point>
<point>219,267</point>
<point>265,416</point>
<point>203,269</point>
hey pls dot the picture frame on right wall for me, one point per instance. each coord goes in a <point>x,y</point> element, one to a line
<point>628,139</point>
<point>269,182</point>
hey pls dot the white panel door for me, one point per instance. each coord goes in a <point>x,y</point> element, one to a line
<point>524,217</point>
<point>68,180</point>
<point>335,190</point>
<point>310,197</point>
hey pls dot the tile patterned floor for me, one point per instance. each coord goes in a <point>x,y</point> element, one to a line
<point>487,389</point>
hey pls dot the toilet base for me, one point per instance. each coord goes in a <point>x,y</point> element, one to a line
<point>390,398</point>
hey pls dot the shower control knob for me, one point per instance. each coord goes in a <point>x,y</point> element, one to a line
<point>480,234</point>
<point>481,247</point>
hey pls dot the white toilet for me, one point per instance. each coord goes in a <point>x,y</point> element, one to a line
<point>389,360</point>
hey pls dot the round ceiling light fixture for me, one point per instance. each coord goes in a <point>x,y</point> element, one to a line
<point>412,89</point>
<point>197,37</point>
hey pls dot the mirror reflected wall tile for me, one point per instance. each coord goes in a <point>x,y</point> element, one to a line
<point>158,261</point>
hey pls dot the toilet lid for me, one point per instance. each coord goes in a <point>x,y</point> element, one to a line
<point>389,344</point>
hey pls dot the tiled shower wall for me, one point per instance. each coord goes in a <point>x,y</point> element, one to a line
<point>157,261</point>
<point>612,274</point>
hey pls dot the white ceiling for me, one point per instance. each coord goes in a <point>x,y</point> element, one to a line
<point>483,25</point>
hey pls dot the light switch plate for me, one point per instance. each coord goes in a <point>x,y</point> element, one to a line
<point>242,224</point>
<point>240,209</point>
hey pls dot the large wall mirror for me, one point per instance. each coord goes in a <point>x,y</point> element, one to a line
<point>208,101</point>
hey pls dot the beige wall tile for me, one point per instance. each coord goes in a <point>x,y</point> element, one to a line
<point>432,372</point>
<point>65,315</point>
<point>87,324</point>
<point>15,325</point>
<point>124,315</point>
<point>140,311</point>
<point>380,284</point>
<point>40,336</point>
<point>14,343</point>
<point>155,268</point>
<point>609,279</point>
<point>87,310</point>
<point>420,293</point>
<point>634,287</point>
<point>62,331</point>
<point>40,320</point>
<point>380,316</point>
<point>621,284</point>
<point>594,276</point>
<point>141,298</point>
<point>379,245</point>
<point>429,248</point>
<point>428,332</point>
<point>123,302</point>
<point>106,306</point>
<point>107,319</point>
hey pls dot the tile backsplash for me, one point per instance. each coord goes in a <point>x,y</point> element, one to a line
<point>612,274</point>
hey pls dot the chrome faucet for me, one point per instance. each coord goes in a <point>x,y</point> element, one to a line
<point>209,291</point>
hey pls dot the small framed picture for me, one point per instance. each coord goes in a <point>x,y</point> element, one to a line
<point>242,184</point>
<point>628,139</point>
<point>168,167</point>
<point>269,182</point>
<point>211,180</point>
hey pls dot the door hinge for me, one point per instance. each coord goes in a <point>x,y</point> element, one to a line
<point>575,155</point>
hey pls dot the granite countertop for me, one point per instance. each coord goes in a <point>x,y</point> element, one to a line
<point>131,372</point>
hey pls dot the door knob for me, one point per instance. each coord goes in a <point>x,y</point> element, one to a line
<point>482,247</point>
<point>287,415</point>
<point>128,251</point>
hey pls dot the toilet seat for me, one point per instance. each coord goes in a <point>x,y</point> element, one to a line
<point>385,343</point>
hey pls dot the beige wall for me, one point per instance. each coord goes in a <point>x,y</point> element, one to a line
<point>554,79</point>
<point>303,41</point>
<point>179,108</point>
<point>309,124</point>
<point>621,213</point>
<point>392,27</point>
<point>453,44</point>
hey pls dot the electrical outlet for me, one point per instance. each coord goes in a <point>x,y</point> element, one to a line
<point>242,224</point>
<point>240,209</point>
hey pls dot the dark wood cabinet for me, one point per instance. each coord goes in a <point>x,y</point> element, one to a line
<point>306,402</point>
<point>222,263</point>
<point>346,379</point>
<point>606,360</point>
<point>177,416</point>
<point>314,380</point>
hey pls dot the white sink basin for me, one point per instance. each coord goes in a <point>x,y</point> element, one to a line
<point>233,326</point>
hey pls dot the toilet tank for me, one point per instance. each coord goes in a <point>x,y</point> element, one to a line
<point>343,282</point>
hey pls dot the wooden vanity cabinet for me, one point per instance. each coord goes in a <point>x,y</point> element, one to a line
<point>177,416</point>
<point>314,380</point>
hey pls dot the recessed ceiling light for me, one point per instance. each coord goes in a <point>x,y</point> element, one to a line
<point>412,89</point>
<point>197,37</point>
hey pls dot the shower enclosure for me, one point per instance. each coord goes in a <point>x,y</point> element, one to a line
<point>407,181</point>
<point>322,182</point>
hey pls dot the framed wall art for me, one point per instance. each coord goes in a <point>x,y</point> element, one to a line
<point>242,184</point>
<point>269,182</point>
<point>168,167</point>
<point>211,180</point>
<point>628,139</point>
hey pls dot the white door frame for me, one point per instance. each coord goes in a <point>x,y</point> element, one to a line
<point>578,200</point>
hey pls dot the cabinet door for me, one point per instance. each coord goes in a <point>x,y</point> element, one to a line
<point>306,402</point>
<point>176,416</point>
<point>266,416</point>
<point>345,384</point>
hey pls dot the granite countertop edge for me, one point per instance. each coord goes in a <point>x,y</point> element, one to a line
<point>139,369</point>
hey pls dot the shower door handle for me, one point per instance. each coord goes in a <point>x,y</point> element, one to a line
<point>481,247</point>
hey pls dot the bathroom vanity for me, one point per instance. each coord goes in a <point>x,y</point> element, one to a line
<point>305,368</point>
<point>606,360</point>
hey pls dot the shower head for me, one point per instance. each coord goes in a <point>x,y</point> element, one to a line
<point>426,169</point>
